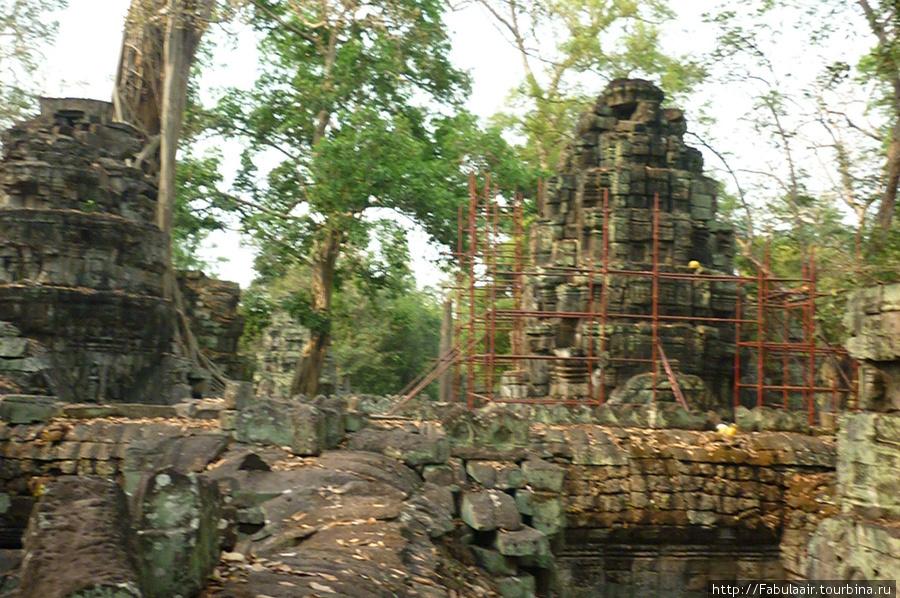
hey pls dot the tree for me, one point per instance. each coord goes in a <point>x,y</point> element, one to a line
<point>24,30</point>
<point>385,331</point>
<point>158,48</point>
<point>352,108</point>
<point>159,44</point>
<point>821,121</point>
<point>883,18</point>
<point>592,40</point>
<point>845,108</point>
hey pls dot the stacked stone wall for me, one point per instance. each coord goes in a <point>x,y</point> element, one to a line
<point>82,260</point>
<point>633,151</point>
<point>212,307</point>
<point>862,540</point>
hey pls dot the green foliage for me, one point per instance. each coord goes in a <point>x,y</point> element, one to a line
<point>198,208</point>
<point>568,49</point>
<point>26,27</point>
<point>385,332</point>
<point>383,340</point>
<point>821,132</point>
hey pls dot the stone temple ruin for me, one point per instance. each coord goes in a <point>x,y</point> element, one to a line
<point>626,293</point>
<point>629,160</point>
<point>82,260</point>
<point>249,494</point>
<point>82,311</point>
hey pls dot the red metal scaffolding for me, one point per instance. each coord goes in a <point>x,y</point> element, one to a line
<point>777,352</point>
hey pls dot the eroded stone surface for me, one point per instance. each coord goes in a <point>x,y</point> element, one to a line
<point>176,519</point>
<point>82,261</point>
<point>626,146</point>
<point>79,543</point>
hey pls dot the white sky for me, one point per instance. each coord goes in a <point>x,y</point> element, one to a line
<point>83,63</point>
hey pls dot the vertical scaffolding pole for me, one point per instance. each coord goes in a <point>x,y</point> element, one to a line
<point>518,278</point>
<point>761,331</point>
<point>587,331</point>
<point>811,338</point>
<point>737,351</point>
<point>604,297</point>
<point>470,374</point>
<point>492,281</point>
<point>785,369</point>
<point>654,342</point>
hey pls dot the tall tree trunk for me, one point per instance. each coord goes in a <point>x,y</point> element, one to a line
<point>884,26</point>
<point>186,23</point>
<point>309,368</point>
<point>137,94</point>
<point>159,44</point>
<point>885,215</point>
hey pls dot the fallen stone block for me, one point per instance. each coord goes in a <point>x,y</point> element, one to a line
<point>79,543</point>
<point>493,562</point>
<point>433,507</point>
<point>296,426</point>
<point>176,519</point>
<point>495,475</point>
<point>139,411</point>
<point>238,394</point>
<point>521,586</point>
<point>87,411</point>
<point>522,542</point>
<point>547,512</point>
<point>28,409</point>
<point>542,475</point>
<point>489,510</point>
<point>412,448</point>
<point>187,454</point>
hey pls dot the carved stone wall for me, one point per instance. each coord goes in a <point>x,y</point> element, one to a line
<point>863,540</point>
<point>81,261</point>
<point>280,347</point>
<point>212,307</point>
<point>630,147</point>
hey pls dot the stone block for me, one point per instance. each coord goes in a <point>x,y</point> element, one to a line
<point>524,501</point>
<point>548,514</point>
<point>28,409</point>
<point>298,427</point>
<point>520,586</point>
<point>441,475</point>
<point>335,426</point>
<point>79,543</point>
<point>138,411</point>
<point>523,542</point>
<point>489,510</point>
<point>495,475</point>
<point>176,519</point>
<point>410,447</point>
<point>237,394</point>
<point>433,507</point>
<point>543,475</point>
<point>88,411</point>
<point>13,347</point>
<point>493,562</point>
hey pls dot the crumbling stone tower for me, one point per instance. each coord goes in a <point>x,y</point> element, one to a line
<point>82,313</point>
<point>593,247</point>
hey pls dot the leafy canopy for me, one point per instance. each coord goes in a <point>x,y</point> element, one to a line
<point>25,29</point>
